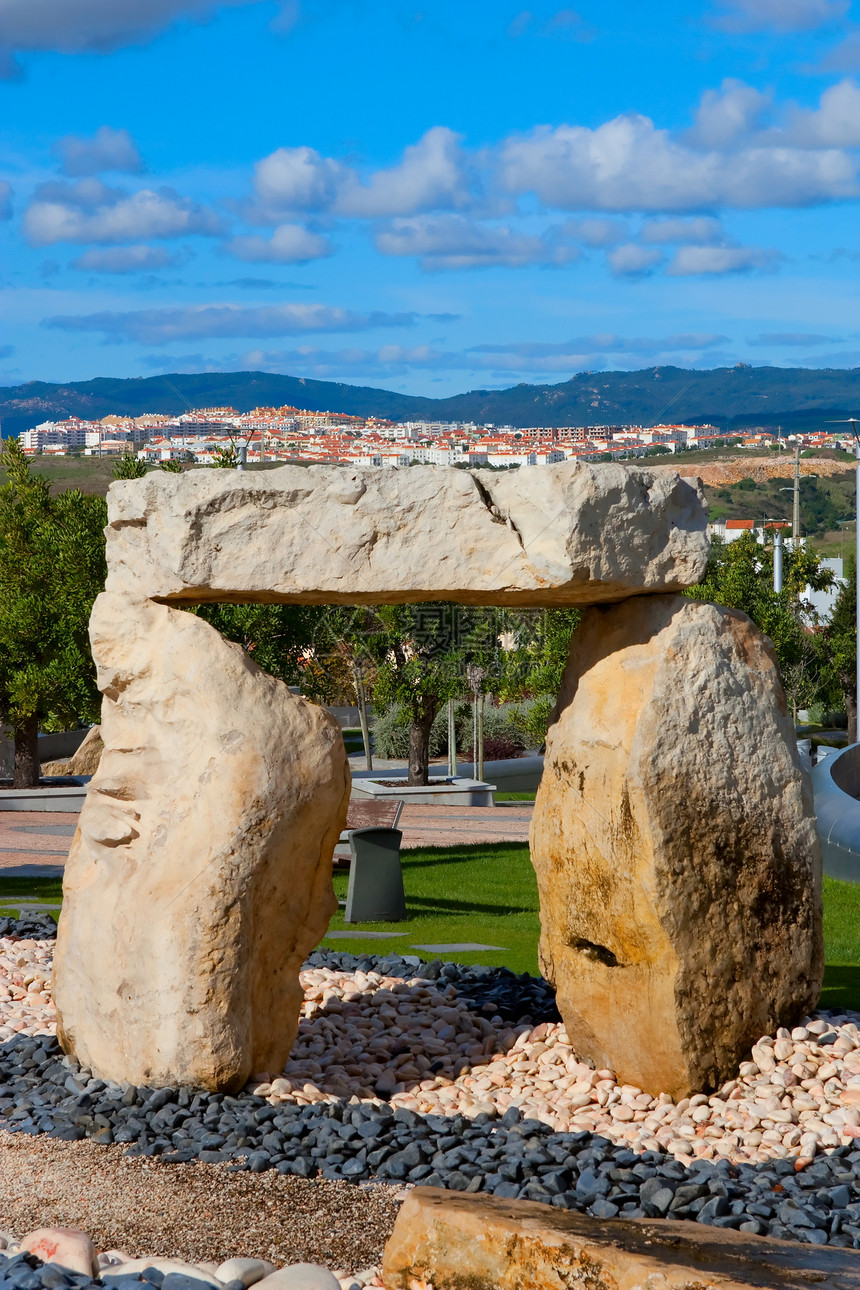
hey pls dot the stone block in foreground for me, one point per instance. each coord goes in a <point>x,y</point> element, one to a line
<point>574,533</point>
<point>199,878</point>
<point>459,1242</point>
<point>675,847</point>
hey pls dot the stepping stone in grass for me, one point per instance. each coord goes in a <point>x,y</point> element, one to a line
<point>458,947</point>
<point>367,936</point>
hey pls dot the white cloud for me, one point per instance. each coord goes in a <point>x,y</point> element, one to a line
<point>835,123</point>
<point>90,212</point>
<point>86,26</point>
<point>778,15</point>
<point>187,322</point>
<point>595,232</point>
<point>606,343</point>
<point>844,57</point>
<point>627,164</point>
<point>793,339</point>
<point>718,260</point>
<point>524,358</point>
<point>431,175</point>
<point>127,259</point>
<point>453,242</point>
<point>289,244</point>
<point>632,261</point>
<point>728,115</point>
<point>6,195</point>
<point>107,150</point>
<point>298,179</point>
<point>701,231</point>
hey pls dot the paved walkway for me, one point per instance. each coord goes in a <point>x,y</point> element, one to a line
<point>35,844</point>
<point>451,826</point>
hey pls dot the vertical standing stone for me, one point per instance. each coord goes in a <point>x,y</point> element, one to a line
<point>200,875</point>
<point>674,845</point>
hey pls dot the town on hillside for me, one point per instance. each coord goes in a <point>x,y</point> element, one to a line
<point>293,434</point>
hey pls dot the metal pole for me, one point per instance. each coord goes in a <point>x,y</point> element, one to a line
<point>795,518</point>
<point>479,700</point>
<point>777,562</point>
<point>243,457</point>
<point>452,739</point>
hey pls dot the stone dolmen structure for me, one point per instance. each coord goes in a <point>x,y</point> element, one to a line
<point>673,839</point>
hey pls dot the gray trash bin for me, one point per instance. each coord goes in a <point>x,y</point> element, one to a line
<point>375,893</point>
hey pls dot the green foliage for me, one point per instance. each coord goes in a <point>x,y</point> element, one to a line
<point>52,566</point>
<point>840,647</point>
<point>129,467</point>
<point>172,467</point>
<point>421,653</point>
<point>819,511</point>
<point>502,725</point>
<point>275,636</point>
<point>225,458</point>
<point>391,733</point>
<point>539,641</point>
<point>746,485</point>
<point>530,719</point>
<point>740,576</point>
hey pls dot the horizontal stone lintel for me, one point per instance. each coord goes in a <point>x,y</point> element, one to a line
<point>570,534</point>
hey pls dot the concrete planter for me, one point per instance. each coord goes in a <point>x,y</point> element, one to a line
<point>439,792</point>
<point>64,794</point>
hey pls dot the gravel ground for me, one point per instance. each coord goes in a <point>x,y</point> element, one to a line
<point>193,1212</point>
<point>463,1078</point>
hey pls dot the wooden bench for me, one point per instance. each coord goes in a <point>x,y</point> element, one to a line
<point>366,814</point>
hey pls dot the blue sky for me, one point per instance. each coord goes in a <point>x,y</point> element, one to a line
<point>430,196</point>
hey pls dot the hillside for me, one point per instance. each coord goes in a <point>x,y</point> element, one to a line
<point>730,397</point>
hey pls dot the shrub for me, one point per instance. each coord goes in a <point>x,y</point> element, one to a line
<point>390,734</point>
<point>496,748</point>
<point>503,728</point>
<point>531,720</point>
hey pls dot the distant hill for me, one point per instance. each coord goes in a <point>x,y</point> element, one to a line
<point>730,397</point>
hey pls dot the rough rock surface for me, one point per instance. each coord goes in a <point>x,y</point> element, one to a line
<point>200,875</point>
<point>565,534</point>
<point>84,762</point>
<point>457,1242</point>
<point>675,847</point>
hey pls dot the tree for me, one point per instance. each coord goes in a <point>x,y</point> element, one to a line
<point>538,646</point>
<point>52,566</point>
<point>840,639</point>
<point>129,467</point>
<point>419,654</point>
<point>740,576</point>
<point>225,458</point>
<point>277,637</point>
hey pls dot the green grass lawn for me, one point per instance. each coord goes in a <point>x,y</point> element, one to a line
<point>15,892</point>
<point>841,945</point>
<point>487,893</point>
